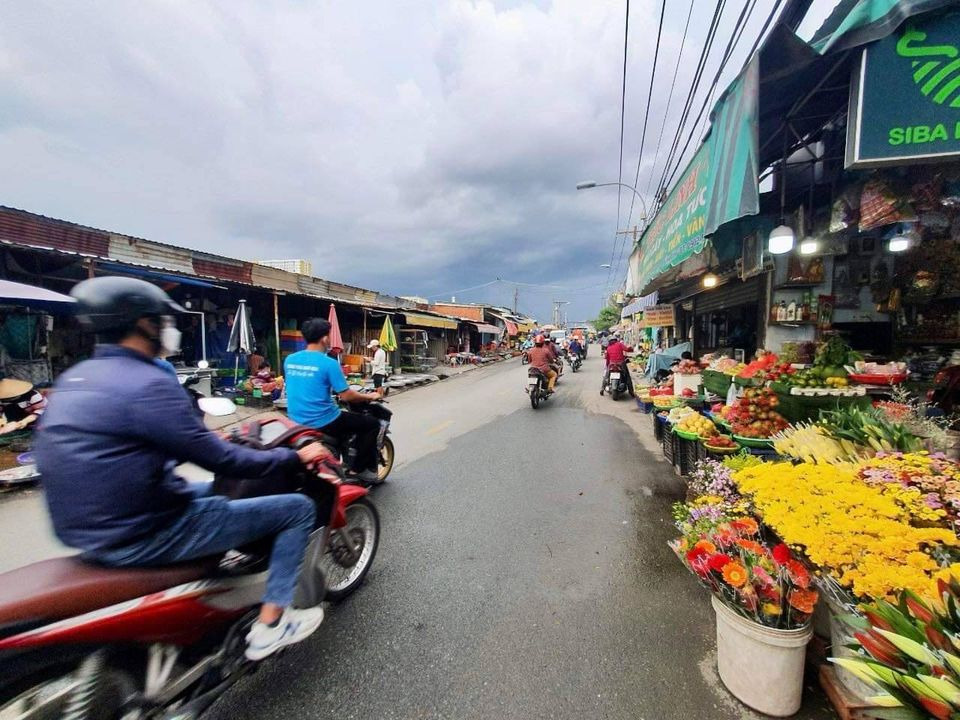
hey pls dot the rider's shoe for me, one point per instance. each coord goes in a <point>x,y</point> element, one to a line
<point>292,627</point>
<point>367,476</point>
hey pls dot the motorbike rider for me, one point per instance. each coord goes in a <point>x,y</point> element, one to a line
<point>542,358</point>
<point>575,347</point>
<point>616,356</point>
<point>312,379</point>
<point>115,430</point>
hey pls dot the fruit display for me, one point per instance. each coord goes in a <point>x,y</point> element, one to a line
<point>758,369</point>
<point>663,401</point>
<point>726,365</point>
<point>835,353</point>
<point>721,443</point>
<point>679,413</point>
<point>755,415</point>
<point>697,424</point>
<point>687,367</point>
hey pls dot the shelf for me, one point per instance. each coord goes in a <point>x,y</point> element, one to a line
<point>928,341</point>
<point>795,323</point>
<point>796,285</point>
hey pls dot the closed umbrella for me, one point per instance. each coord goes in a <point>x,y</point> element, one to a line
<point>336,339</point>
<point>241,337</point>
<point>388,338</point>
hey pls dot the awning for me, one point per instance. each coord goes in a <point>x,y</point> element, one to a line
<point>430,321</point>
<point>512,329</point>
<point>639,305</point>
<point>154,275</point>
<point>487,329</point>
<point>858,22</point>
<point>30,296</point>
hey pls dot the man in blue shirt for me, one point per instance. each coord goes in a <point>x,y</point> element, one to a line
<point>312,379</point>
<point>116,428</point>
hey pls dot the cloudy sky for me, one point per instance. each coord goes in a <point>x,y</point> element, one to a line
<point>412,146</point>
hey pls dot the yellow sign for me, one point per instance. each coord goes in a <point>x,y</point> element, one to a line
<point>657,316</point>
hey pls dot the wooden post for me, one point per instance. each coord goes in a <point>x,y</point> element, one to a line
<point>276,330</point>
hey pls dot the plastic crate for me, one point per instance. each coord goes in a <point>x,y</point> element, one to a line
<point>716,382</point>
<point>668,442</point>
<point>659,428</point>
<point>687,455</point>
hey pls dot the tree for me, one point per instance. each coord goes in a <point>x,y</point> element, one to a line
<point>608,317</point>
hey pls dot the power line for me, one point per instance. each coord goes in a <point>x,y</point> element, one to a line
<point>666,112</point>
<point>623,104</point>
<point>694,86</point>
<point>728,52</point>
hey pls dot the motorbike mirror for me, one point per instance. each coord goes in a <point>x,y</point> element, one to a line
<point>217,406</point>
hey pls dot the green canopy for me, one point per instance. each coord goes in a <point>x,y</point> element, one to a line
<point>858,22</point>
<point>388,338</point>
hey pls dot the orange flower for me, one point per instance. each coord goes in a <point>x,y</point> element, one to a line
<point>706,546</point>
<point>751,546</point>
<point>746,525</point>
<point>803,600</point>
<point>798,573</point>
<point>735,574</point>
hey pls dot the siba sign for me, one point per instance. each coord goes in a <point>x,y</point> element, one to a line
<point>905,96</point>
<point>657,316</point>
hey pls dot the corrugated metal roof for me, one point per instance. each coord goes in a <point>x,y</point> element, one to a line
<point>135,251</point>
<point>37,231</point>
<point>268,277</point>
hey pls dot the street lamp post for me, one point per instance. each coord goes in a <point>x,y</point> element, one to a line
<point>589,184</point>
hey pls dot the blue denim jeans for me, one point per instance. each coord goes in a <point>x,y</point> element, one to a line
<point>212,525</point>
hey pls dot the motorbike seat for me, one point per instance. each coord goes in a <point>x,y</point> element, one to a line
<point>65,587</point>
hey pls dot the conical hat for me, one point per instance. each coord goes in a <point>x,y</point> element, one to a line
<point>10,388</point>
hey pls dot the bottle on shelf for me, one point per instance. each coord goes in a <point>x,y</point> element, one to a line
<point>782,311</point>
<point>792,311</point>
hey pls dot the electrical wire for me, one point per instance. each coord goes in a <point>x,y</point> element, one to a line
<point>643,136</point>
<point>666,112</point>
<point>727,54</point>
<point>694,87</point>
<point>623,105</point>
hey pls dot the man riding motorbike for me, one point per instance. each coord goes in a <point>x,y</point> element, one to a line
<point>576,348</point>
<point>616,356</point>
<point>115,430</point>
<point>312,379</point>
<point>542,358</point>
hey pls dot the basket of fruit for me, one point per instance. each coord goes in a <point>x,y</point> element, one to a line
<point>721,445</point>
<point>694,427</point>
<point>754,418</point>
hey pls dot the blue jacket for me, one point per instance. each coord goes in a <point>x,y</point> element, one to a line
<point>108,445</point>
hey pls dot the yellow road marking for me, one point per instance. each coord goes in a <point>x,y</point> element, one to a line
<point>438,428</point>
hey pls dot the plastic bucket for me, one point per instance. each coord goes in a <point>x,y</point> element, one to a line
<point>761,666</point>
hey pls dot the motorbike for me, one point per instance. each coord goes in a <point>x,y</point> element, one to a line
<point>347,451</point>
<point>576,361</point>
<point>615,381</point>
<point>84,641</point>
<point>524,358</point>
<point>536,387</point>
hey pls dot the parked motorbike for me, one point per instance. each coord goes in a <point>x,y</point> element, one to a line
<point>615,381</point>
<point>347,451</point>
<point>536,387</point>
<point>84,641</point>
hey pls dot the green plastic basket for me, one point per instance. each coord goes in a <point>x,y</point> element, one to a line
<point>716,382</point>
<point>753,442</point>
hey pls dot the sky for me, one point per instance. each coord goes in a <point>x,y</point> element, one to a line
<point>416,147</point>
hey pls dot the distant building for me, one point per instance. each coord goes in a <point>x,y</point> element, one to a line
<point>415,299</point>
<point>301,267</point>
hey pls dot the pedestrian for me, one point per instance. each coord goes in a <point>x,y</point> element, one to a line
<point>379,363</point>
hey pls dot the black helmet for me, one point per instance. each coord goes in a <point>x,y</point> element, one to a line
<point>117,303</point>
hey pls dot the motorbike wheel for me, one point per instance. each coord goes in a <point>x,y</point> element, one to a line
<point>615,394</point>
<point>345,570</point>
<point>50,689</point>
<point>385,465</point>
<point>535,397</point>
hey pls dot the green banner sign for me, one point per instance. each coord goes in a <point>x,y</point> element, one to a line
<point>905,97</point>
<point>677,232</point>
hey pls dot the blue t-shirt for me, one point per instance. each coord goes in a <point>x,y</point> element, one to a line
<point>311,378</point>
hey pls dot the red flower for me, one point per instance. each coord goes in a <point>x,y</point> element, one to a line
<point>799,574</point>
<point>696,559</point>
<point>716,562</point>
<point>781,554</point>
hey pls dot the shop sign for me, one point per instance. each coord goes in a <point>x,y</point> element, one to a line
<point>657,316</point>
<point>905,96</point>
<point>677,232</point>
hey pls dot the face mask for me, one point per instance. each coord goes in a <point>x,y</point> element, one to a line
<point>170,338</point>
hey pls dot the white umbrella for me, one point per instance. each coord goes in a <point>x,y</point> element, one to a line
<point>241,337</point>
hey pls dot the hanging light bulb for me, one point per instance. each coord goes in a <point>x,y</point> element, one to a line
<point>809,245</point>
<point>710,280</point>
<point>899,243</point>
<point>781,240</point>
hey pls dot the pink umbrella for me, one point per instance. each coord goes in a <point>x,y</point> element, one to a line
<point>336,339</point>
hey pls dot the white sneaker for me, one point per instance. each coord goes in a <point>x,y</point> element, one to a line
<point>294,626</point>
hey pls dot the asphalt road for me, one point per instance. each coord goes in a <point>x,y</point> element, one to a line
<point>523,572</point>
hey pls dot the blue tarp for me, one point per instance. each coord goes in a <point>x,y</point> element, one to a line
<point>664,360</point>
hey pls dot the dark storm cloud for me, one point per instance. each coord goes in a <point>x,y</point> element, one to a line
<point>409,146</point>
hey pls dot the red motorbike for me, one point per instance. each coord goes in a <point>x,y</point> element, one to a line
<point>84,642</point>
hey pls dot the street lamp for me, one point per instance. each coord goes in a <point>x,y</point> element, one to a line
<point>588,184</point>
<point>605,266</point>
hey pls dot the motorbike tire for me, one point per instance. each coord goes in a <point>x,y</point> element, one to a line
<point>386,460</point>
<point>615,394</point>
<point>51,677</point>
<point>363,511</point>
<point>535,397</point>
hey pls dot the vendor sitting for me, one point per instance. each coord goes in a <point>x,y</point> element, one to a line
<point>264,380</point>
<point>21,404</point>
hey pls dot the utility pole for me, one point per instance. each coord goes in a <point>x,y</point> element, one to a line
<point>516,295</point>
<point>634,232</point>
